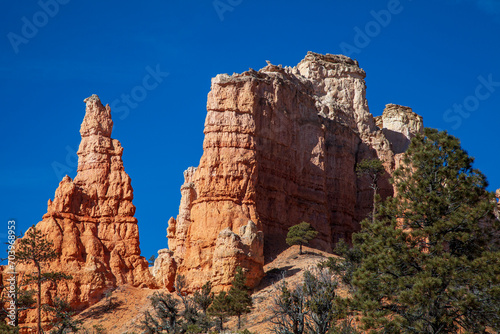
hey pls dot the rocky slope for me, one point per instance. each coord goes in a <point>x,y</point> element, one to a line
<point>281,145</point>
<point>123,311</point>
<point>91,221</point>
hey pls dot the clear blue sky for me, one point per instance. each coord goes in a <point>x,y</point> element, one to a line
<point>429,55</point>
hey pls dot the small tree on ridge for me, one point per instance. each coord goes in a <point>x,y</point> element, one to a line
<point>300,234</point>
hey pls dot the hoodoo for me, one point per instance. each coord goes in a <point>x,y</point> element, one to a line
<point>91,220</point>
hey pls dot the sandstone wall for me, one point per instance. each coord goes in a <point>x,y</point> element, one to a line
<point>281,145</point>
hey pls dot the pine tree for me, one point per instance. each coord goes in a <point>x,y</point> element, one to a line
<point>239,296</point>
<point>203,299</point>
<point>166,314</point>
<point>22,299</point>
<point>289,311</point>
<point>190,312</point>
<point>220,309</point>
<point>35,249</point>
<point>63,317</point>
<point>300,234</point>
<point>430,261</point>
<point>372,169</point>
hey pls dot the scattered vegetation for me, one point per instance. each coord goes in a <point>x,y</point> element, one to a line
<point>63,321</point>
<point>310,307</point>
<point>200,312</point>
<point>22,298</point>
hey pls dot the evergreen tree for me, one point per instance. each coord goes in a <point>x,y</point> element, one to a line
<point>220,309</point>
<point>239,296</point>
<point>63,317</point>
<point>344,266</point>
<point>372,169</point>
<point>289,311</point>
<point>190,312</point>
<point>166,313</point>
<point>430,262</point>
<point>22,299</point>
<point>300,234</point>
<point>35,249</point>
<point>203,299</point>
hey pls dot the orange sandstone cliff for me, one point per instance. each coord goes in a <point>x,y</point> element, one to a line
<point>91,221</point>
<point>281,145</point>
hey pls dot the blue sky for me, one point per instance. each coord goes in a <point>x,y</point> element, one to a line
<point>438,57</point>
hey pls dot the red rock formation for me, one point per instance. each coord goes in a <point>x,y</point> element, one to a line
<point>91,220</point>
<point>232,250</point>
<point>164,269</point>
<point>281,145</point>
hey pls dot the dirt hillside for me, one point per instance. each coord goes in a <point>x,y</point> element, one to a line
<point>122,311</point>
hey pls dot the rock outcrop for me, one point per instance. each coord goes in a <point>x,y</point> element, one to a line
<point>399,124</point>
<point>91,220</point>
<point>245,249</point>
<point>164,269</point>
<point>281,145</point>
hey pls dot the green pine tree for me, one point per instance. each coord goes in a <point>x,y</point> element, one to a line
<point>63,321</point>
<point>35,249</point>
<point>239,296</point>
<point>220,309</point>
<point>430,262</point>
<point>300,234</point>
<point>165,317</point>
<point>203,299</point>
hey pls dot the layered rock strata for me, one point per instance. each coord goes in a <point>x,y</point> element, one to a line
<point>281,146</point>
<point>91,220</point>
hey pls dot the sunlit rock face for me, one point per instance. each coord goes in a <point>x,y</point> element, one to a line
<point>281,145</point>
<point>91,221</point>
<point>399,124</point>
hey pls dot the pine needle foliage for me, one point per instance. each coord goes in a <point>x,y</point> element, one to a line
<point>300,234</point>
<point>429,262</point>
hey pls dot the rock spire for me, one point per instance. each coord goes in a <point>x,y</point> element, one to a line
<point>91,220</point>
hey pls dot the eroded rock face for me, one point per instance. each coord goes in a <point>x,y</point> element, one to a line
<point>281,145</point>
<point>164,269</point>
<point>399,124</point>
<point>232,250</point>
<point>91,220</point>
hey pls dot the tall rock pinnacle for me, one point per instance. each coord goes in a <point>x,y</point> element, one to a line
<point>91,219</point>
